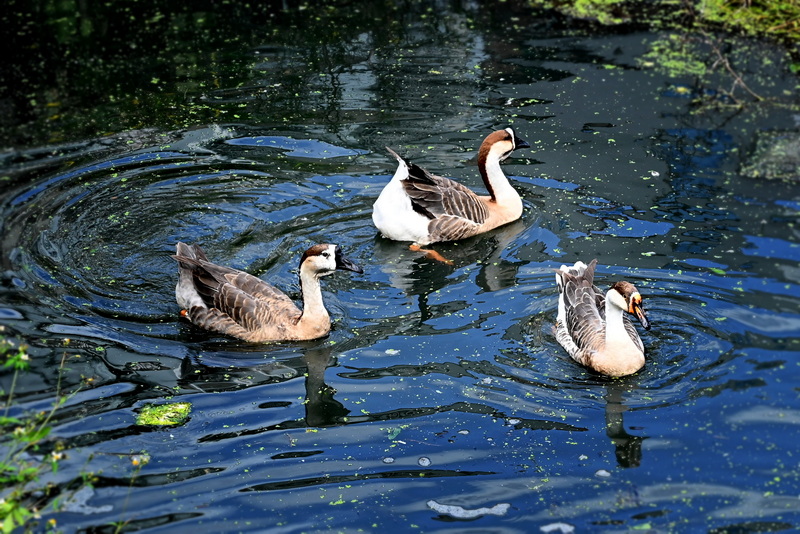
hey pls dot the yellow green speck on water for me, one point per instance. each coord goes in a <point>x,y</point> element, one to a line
<point>164,414</point>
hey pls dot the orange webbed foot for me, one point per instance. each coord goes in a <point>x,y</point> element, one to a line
<point>432,254</point>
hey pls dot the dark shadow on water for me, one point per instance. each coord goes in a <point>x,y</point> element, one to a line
<point>418,276</point>
<point>321,408</point>
<point>345,479</point>
<point>627,447</point>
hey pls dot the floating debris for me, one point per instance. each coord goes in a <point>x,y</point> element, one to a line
<point>462,513</point>
<point>388,460</point>
<point>563,528</point>
<point>424,461</point>
<point>164,414</point>
<point>145,366</point>
<point>76,503</point>
<point>602,473</point>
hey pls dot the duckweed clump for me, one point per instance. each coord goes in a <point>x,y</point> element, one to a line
<point>776,19</point>
<point>164,414</point>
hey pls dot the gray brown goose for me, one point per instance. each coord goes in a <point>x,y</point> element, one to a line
<point>423,208</point>
<point>238,304</point>
<point>594,328</point>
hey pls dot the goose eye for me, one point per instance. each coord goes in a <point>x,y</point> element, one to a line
<point>326,254</point>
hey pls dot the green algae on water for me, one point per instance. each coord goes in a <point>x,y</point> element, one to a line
<point>164,414</point>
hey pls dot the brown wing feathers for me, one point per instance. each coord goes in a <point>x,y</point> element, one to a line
<point>239,298</point>
<point>215,320</point>
<point>584,307</point>
<point>424,192</point>
<point>434,196</point>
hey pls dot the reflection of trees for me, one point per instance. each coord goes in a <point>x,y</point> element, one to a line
<point>140,59</point>
<point>695,155</point>
<point>115,67</point>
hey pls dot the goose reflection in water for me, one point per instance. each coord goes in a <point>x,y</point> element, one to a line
<point>417,276</point>
<point>627,448</point>
<point>321,409</point>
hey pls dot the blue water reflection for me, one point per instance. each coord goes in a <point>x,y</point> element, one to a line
<point>297,147</point>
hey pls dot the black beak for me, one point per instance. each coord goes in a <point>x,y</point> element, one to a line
<point>345,264</point>
<point>520,142</point>
<point>638,311</point>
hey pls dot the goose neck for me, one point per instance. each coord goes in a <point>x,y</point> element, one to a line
<point>494,178</point>
<point>615,327</point>
<point>313,307</point>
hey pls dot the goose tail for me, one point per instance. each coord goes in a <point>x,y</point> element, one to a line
<point>188,257</point>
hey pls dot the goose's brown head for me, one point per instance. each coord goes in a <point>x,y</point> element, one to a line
<point>501,144</point>
<point>324,259</point>
<point>632,301</point>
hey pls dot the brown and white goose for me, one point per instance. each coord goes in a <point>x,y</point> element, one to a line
<point>594,328</point>
<point>423,208</point>
<point>238,304</point>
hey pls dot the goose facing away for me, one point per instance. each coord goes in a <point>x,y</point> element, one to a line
<point>232,302</point>
<point>594,328</point>
<point>423,208</point>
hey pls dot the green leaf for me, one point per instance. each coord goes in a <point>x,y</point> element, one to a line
<point>164,414</point>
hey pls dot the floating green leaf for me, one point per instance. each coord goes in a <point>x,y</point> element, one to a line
<point>164,414</point>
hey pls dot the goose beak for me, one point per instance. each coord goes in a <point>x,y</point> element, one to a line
<point>345,264</point>
<point>520,142</point>
<point>637,310</point>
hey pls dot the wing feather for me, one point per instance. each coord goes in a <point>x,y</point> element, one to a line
<point>583,331</point>
<point>216,321</point>
<point>435,196</point>
<point>450,228</point>
<point>238,303</point>
<point>584,321</point>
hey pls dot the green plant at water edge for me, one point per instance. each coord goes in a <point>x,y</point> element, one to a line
<point>138,461</point>
<point>675,55</point>
<point>607,12</point>
<point>711,61</point>
<point>779,18</point>
<point>20,467</point>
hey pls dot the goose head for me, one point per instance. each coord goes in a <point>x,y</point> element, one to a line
<point>501,144</point>
<point>625,296</point>
<point>324,259</point>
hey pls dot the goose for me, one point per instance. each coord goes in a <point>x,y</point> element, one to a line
<point>593,327</point>
<point>238,304</point>
<point>423,208</point>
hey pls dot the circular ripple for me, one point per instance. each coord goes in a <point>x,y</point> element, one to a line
<point>95,242</point>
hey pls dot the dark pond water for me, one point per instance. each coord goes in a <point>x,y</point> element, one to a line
<point>441,390</point>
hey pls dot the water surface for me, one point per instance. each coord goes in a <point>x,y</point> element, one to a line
<point>441,389</point>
